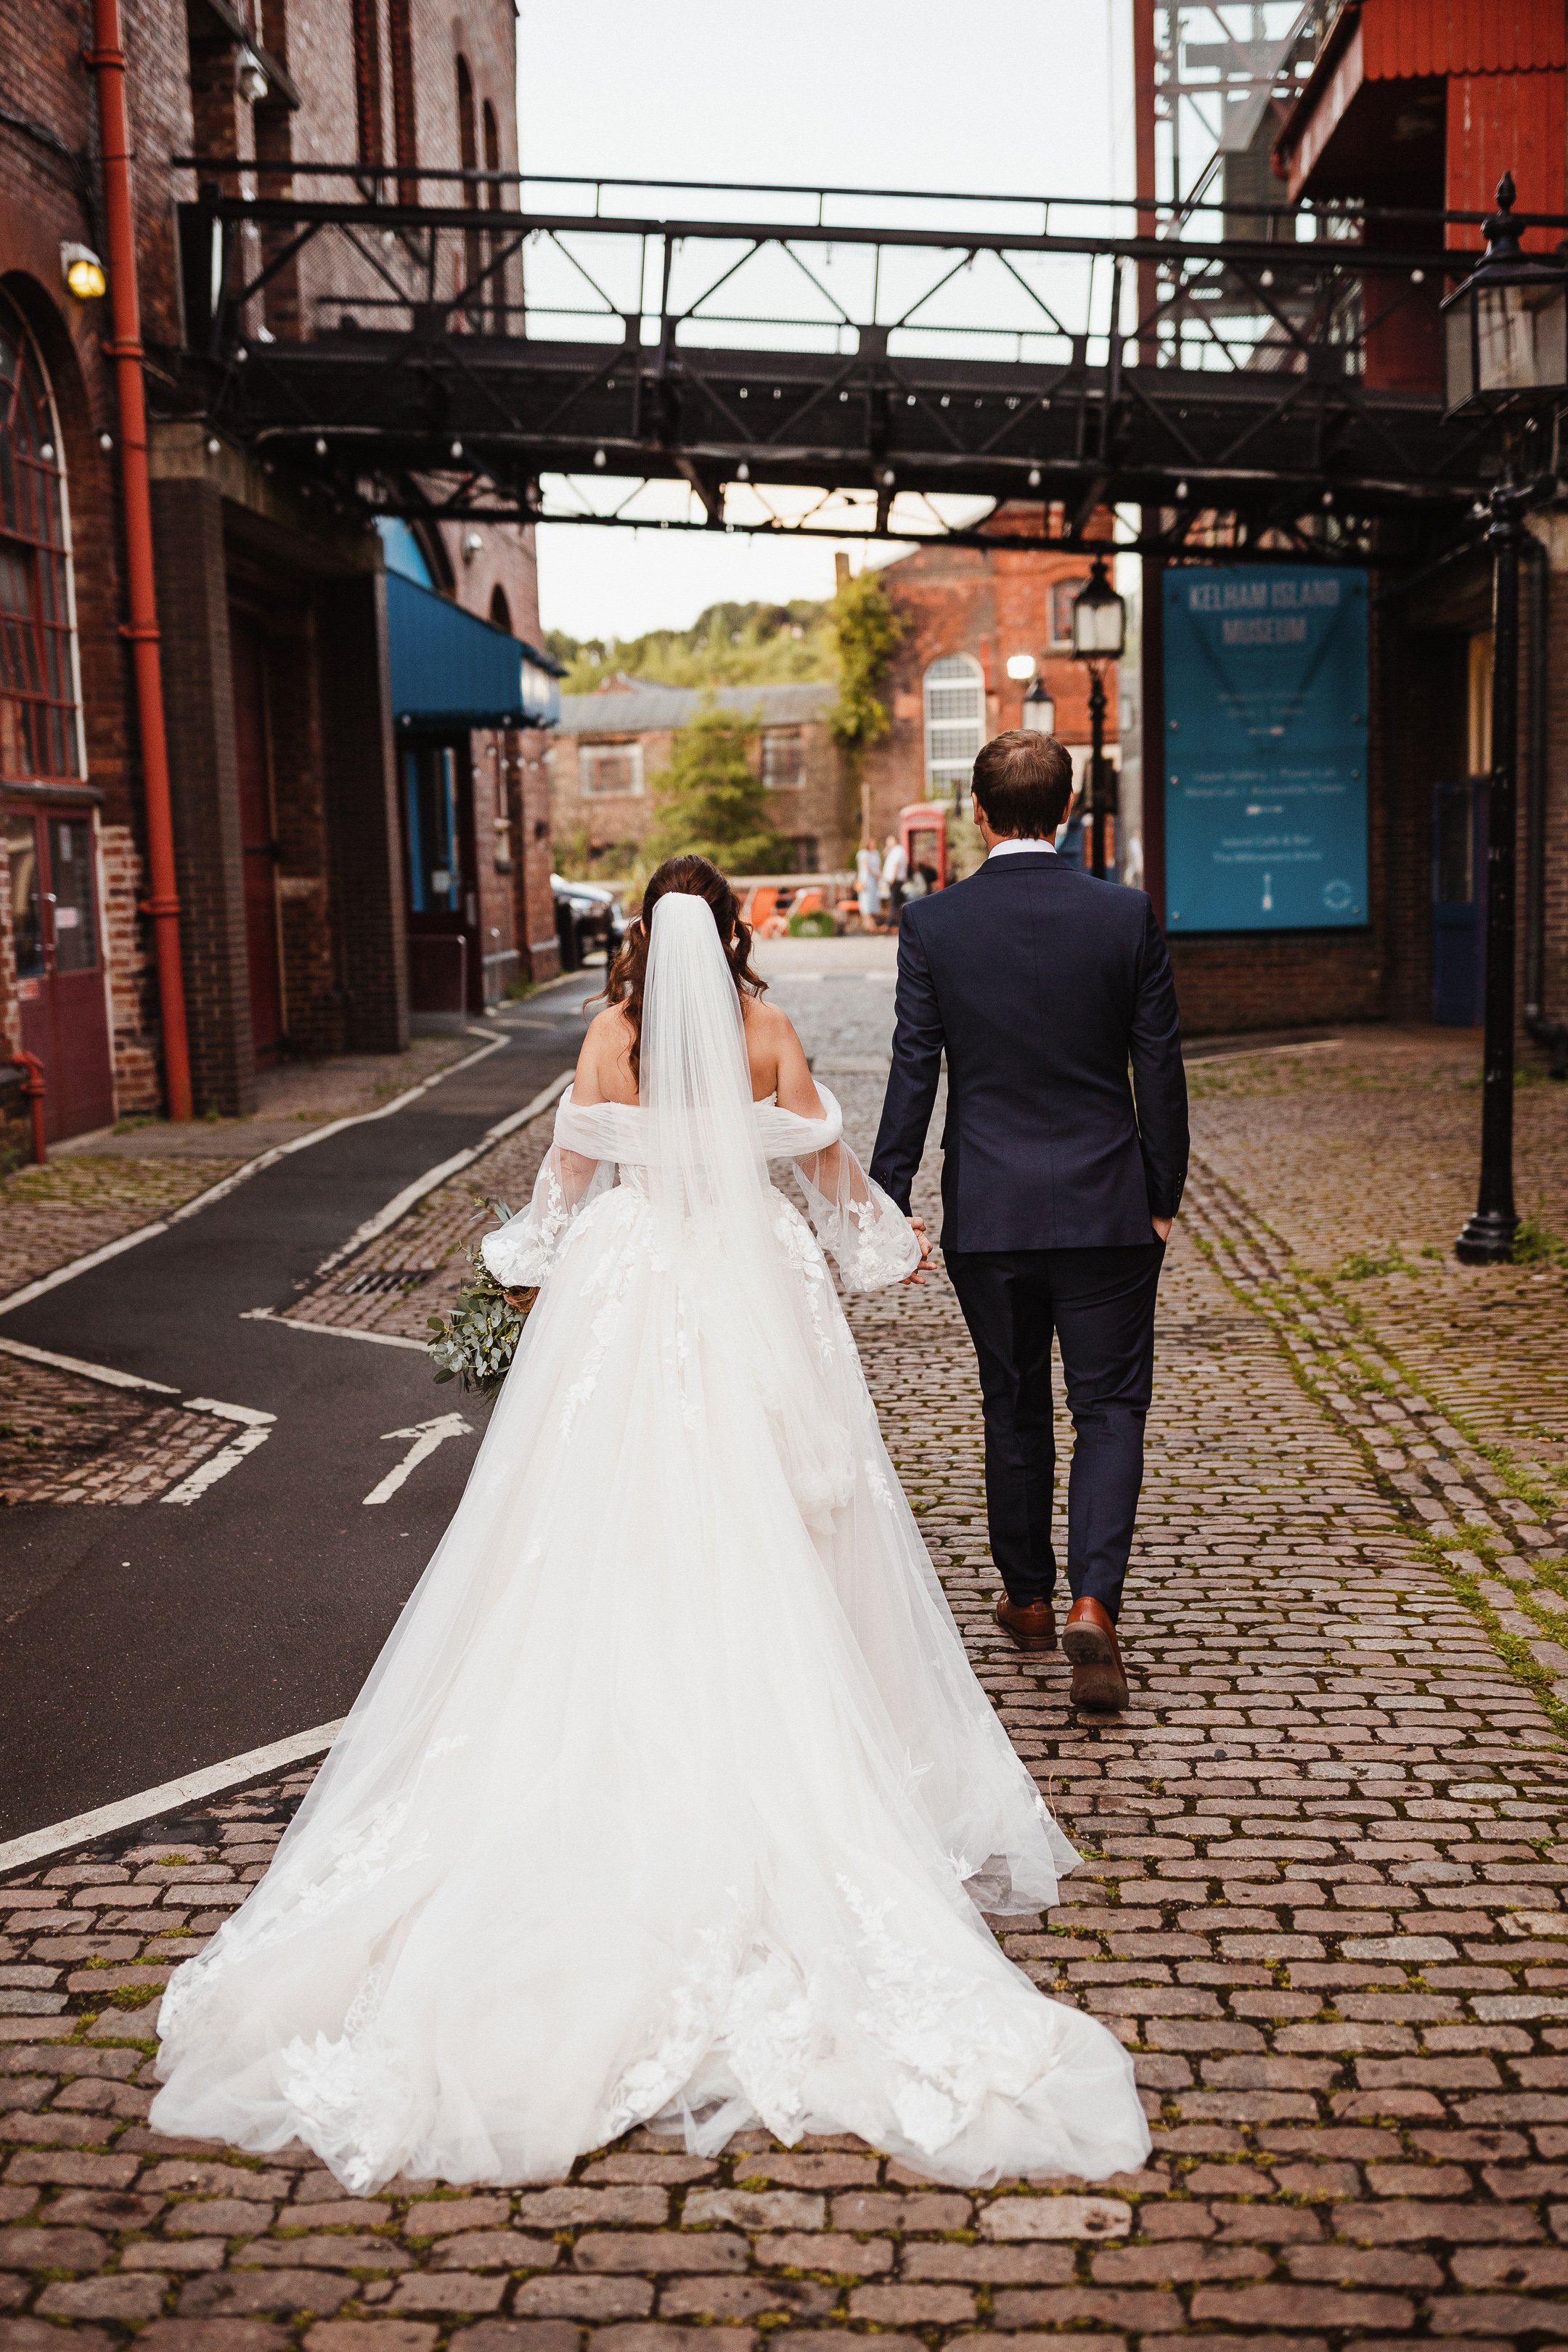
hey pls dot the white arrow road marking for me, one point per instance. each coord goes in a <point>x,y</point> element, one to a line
<point>426,1436</point>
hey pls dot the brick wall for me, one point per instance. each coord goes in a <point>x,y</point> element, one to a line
<point>367,887</point>
<point>1552,530</point>
<point>198,705</point>
<point>314,1011</point>
<point>533,903</point>
<point>46,200</point>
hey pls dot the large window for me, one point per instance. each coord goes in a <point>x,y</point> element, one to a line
<point>955,723</point>
<point>1064,595</point>
<point>38,733</point>
<point>784,758</point>
<point>610,771</point>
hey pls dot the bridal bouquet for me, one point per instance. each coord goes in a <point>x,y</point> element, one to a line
<point>476,1343</point>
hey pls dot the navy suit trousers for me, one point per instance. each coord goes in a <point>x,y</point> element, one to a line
<point>1100,1304</point>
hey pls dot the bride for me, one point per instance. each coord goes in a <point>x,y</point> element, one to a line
<point>672,1797</point>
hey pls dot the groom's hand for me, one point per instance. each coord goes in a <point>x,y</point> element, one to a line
<point>1162,1226</point>
<point>918,1228</point>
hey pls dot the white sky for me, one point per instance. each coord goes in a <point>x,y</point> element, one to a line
<point>1025,97</point>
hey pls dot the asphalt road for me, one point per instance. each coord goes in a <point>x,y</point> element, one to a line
<point>144,1641</point>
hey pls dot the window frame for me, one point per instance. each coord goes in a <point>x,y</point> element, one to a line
<point>791,783</point>
<point>44,716</point>
<point>1070,589</point>
<point>947,774</point>
<point>626,747</point>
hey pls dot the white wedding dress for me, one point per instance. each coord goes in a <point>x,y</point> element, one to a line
<point>672,1797</point>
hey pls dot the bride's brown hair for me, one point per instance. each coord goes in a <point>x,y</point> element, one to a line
<point>695,877</point>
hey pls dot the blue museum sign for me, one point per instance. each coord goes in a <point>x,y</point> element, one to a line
<point>1266,694</point>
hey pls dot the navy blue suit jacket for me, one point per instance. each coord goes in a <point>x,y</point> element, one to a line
<point>1042,986</point>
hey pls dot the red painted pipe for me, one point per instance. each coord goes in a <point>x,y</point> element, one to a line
<point>32,1071</point>
<point>107,59</point>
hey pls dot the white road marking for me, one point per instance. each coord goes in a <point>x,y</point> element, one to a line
<point>327,1331</point>
<point>401,1203</point>
<point>256,1424</point>
<point>217,1465</point>
<point>104,1372</point>
<point>227,1184</point>
<point>426,1436</point>
<point>247,1416</point>
<point>79,1828</point>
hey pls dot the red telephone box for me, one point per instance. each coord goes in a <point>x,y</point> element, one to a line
<point>923,828</point>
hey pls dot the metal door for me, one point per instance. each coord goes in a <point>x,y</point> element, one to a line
<point>1459,902</point>
<point>58,933</point>
<point>258,842</point>
<point>445,975</point>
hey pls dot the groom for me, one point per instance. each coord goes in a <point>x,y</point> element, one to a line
<point>1059,1180</point>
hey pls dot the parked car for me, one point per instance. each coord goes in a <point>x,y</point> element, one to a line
<point>588,919</point>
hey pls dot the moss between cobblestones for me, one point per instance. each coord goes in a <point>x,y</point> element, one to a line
<point>1510,1647</point>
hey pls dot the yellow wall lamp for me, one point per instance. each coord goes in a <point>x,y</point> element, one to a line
<point>83,273</point>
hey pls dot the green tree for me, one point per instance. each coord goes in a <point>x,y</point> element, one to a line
<point>711,801</point>
<point>867,630</point>
<point>726,644</point>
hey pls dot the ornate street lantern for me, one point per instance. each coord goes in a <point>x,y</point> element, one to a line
<point>1099,630</point>
<point>1507,357</point>
<point>1039,710</point>
<point>1098,618</point>
<point>1507,326</point>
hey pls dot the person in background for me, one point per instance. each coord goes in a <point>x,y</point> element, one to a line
<point>1070,833</point>
<point>867,881</point>
<point>895,878</point>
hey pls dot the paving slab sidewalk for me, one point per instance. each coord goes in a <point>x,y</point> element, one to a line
<point>1321,1902</point>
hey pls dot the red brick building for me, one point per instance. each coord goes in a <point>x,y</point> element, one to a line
<point>291,795</point>
<point>967,611</point>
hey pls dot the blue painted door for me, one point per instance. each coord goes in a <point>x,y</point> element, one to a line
<point>1459,902</point>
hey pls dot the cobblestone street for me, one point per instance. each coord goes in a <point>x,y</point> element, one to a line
<point>1325,1854</point>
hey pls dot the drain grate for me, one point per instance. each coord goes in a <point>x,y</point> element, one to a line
<point>377,1280</point>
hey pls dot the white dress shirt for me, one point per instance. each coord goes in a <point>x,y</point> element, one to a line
<point>1006,849</point>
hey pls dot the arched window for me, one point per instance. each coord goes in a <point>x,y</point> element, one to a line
<point>955,723</point>
<point>404,124</point>
<point>468,137</point>
<point>38,730</point>
<point>468,156</point>
<point>367,79</point>
<point>493,204</point>
<point>501,611</point>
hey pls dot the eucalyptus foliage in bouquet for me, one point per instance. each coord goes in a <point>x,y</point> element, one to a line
<point>476,1343</point>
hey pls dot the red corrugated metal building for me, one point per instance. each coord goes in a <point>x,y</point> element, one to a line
<point>1430,102</point>
<point>1426,103</point>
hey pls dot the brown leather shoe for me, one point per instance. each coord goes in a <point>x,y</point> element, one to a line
<point>1032,1623</point>
<point>1089,1640</point>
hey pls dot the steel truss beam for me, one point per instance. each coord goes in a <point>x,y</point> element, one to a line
<point>979,360</point>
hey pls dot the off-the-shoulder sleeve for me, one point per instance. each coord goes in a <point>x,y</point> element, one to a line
<point>854,1219</point>
<point>521,1253</point>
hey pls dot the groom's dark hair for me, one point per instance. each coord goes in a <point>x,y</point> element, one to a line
<point>1023,781</point>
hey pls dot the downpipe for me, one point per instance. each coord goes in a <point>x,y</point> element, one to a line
<point>106,59</point>
<point>1550,1035</point>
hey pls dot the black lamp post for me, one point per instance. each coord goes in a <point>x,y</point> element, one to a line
<point>1507,357</point>
<point>1039,710</point>
<point>1098,628</point>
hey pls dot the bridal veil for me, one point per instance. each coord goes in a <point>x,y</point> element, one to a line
<point>672,1797</point>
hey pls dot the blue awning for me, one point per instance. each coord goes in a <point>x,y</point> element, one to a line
<point>450,670</point>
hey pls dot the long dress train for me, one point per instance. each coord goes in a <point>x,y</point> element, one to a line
<point>671,1796</point>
